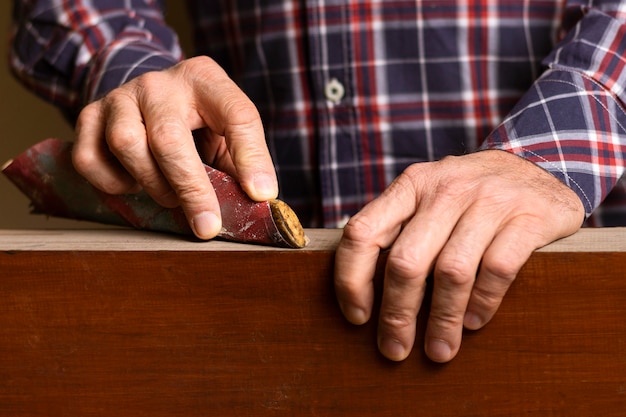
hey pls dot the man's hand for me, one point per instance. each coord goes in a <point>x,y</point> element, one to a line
<point>140,136</point>
<point>473,221</point>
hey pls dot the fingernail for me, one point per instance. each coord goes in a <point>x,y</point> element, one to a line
<point>206,225</point>
<point>392,349</point>
<point>355,315</point>
<point>265,187</point>
<point>438,350</point>
<point>472,321</point>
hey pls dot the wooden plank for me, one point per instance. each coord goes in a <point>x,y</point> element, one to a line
<point>114,323</point>
<point>122,239</point>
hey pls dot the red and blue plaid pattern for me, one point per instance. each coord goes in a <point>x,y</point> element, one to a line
<point>420,80</point>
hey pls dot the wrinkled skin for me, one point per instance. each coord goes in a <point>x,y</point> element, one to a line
<point>472,220</point>
<point>140,136</point>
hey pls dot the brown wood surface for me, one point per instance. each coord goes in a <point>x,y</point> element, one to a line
<point>125,323</point>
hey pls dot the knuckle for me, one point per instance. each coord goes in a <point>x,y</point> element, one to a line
<point>192,193</point>
<point>404,265</point>
<point>84,160</point>
<point>397,320</point>
<point>196,64</point>
<point>486,298</point>
<point>240,112</point>
<point>122,137</point>
<point>413,170</point>
<point>358,229</point>
<point>350,288</point>
<point>443,320</point>
<point>165,139</point>
<point>146,91</point>
<point>87,115</point>
<point>500,268</point>
<point>146,82</point>
<point>456,271</point>
<point>407,179</point>
<point>99,172</point>
<point>119,97</point>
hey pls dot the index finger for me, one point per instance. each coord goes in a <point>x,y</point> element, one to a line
<point>228,112</point>
<point>374,228</point>
<point>172,145</point>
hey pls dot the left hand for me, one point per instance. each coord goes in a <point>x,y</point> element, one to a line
<point>473,221</point>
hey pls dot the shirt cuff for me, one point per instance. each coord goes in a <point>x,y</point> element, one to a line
<point>571,126</point>
<point>122,61</point>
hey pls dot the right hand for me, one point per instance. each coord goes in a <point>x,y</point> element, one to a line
<point>140,136</point>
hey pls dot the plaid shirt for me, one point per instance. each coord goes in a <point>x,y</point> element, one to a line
<point>352,92</point>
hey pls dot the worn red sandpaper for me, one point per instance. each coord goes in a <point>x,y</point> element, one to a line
<point>46,175</point>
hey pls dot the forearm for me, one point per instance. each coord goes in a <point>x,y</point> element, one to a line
<point>72,52</point>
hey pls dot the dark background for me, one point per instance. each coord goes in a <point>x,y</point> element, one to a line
<point>26,119</point>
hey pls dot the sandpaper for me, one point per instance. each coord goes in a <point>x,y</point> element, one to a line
<point>46,175</point>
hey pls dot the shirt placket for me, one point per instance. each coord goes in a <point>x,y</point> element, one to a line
<point>339,152</point>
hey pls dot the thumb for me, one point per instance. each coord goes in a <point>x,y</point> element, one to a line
<point>228,112</point>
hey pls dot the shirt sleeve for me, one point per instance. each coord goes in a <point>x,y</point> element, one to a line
<point>572,121</point>
<point>72,52</point>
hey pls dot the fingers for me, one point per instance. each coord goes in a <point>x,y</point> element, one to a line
<point>406,270</point>
<point>176,162</point>
<point>369,231</point>
<point>557,215</point>
<point>213,150</point>
<point>454,280</point>
<point>501,262</point>
<point>140,135</point>
<point>456,248</point>
<point>235,118</point>
<point>92,158</point>
<point>377,226</point>
<point>152,141</point>
<point>255,170</point>
<point>409,263</point>
<point>355,265</point>
<point>473,221</point>
<point>128,140</point>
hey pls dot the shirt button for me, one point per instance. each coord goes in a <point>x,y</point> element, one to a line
<point>334,91</point>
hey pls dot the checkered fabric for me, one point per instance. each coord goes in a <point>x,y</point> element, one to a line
<point>352,92</point>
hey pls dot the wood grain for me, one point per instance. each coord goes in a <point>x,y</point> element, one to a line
<point>117,322</point>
